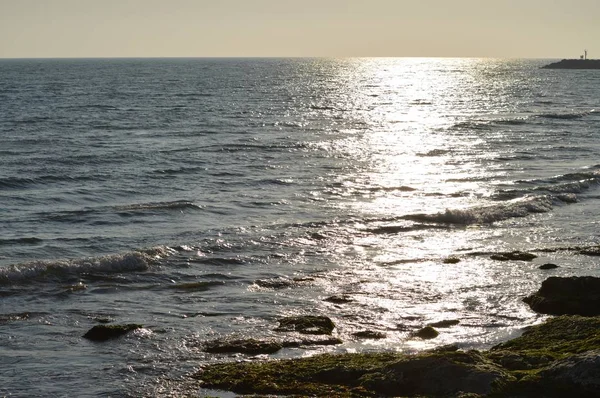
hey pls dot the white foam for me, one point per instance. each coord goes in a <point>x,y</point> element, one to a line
<point>489,214</point>
<point>62,269</point>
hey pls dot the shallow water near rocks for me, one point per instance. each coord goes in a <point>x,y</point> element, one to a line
<point>208,198</point>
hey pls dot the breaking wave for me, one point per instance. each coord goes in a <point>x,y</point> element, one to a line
<point>40,271</point>
<point>488,214</point>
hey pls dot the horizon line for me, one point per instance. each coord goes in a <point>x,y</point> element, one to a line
<point>271,57</point>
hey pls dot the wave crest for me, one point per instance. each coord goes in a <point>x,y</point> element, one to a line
<point>488,214</point>
<point>39,271</point>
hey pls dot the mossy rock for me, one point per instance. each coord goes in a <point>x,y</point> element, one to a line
<point>361,375</point>
<point>307,324</point>
<point>574,376</point>
<point>515,256</point>
<point>557,338</point>
<point>108,332</point>
<point>567,296</point>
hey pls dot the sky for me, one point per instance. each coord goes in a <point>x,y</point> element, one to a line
<point>299,28</point>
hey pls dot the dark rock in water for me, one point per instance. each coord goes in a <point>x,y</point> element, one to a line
<point>245,346</point>
<point>445,324</point>
<point>516,255</point>
<point>275,283</point>
<point>103,320</point>
<point>567,296</point>
<point>107,332</point>
<point>361,375</point>
<point>590,251</point>
<point>313,342</point>
<point>369,334</point>
<point>318,236</point>
<point>338,299</point>
<point>307,324</point>
<point>256,347</point>
<point>427,333</point>
<point>5,318</point>
<point>451,260</point>
<point>548,266</point>
<point>445,348</point>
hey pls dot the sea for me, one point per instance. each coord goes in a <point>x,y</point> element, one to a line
<point>206,199</point>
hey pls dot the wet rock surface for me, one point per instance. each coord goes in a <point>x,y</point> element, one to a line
<point>445,323</point>
<point>548,266</point>
<point>256,347</point>
<point>426,333</point>
<point>369,334</point>
<point>573,296</point>
<point>108,332</point>
<point>341,299</point>
<point>555,359</point>
<point>307,324</point>
<point>513,256</point>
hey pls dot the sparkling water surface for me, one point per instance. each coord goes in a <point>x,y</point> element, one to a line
<point>206,198</point>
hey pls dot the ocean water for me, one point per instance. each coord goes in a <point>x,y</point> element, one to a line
<point>207,198</point>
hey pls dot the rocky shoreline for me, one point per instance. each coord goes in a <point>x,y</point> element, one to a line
<point>558,358</point>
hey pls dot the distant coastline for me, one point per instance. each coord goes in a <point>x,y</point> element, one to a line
<point>574,64</point>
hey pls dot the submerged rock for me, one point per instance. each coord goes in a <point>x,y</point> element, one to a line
<point>445,323</point>
<point>343,299</point>
<point>572,296</point>
<point>107,332</point>
<point>548,266</point>
<point>590,251</point>
<point>515,256</point>
<point>427,333</point>
<point>451,260</point>
<point>256,347</point>
<point>369,334</point>
<point>242,346</point>
<point>307,324</point>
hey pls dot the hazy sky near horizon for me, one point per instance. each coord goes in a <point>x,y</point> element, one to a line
<point>216,28</point>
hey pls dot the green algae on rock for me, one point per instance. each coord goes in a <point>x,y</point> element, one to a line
<point>555,359</point>
<point>361,375</point>
<point>107,332</point>
<point>557,337</point>
<point>558,358</point>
